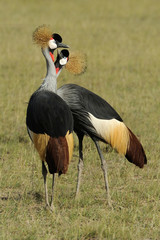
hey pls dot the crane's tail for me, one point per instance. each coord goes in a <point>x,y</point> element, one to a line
<point>125,142</point>
<point>135,152</point>
<point>57,151</point>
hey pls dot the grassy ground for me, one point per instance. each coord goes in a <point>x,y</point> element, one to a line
<point>121,40</point>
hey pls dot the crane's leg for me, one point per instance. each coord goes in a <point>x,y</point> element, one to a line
<point>104,168</point>
<point>44,173</point>
<point>80,163</point>
<point>52,193</point>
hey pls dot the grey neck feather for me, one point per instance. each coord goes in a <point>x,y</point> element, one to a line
<point>50,81</point>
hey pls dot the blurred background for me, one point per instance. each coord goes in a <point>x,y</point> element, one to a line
<point>121,41</point>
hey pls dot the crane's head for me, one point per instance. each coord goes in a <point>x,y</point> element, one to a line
<point>56,42</point>
<point>62,59</point>
<point>44,38</point>
<point>74,62</point>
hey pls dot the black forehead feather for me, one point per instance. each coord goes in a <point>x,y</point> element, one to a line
<point>65,52</point>
<point>57,37</point>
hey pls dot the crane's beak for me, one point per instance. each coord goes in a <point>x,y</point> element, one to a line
<point>62,45</point>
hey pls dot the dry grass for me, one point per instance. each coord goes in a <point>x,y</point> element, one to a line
<point>121,41</point>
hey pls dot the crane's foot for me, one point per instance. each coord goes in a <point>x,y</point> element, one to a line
<point>109,201</point>
<point>50,208</point>
<point>77,196</point>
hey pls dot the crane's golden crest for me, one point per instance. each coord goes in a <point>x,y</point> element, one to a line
<point>77,63</point>
<point>42,35</point>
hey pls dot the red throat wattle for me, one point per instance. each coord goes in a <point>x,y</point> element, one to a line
<point>57,70</point>
<point>52,56</point>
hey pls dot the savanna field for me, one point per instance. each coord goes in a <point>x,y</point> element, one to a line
<point>122,42</point>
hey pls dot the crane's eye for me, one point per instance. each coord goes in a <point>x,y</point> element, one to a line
<point>52,44</point>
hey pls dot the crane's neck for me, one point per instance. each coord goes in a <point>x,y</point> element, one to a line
<point>59,71</point>
<point>50,81</point>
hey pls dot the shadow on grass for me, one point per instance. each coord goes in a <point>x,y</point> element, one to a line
<point>36,196</point>
<point>19,196</point>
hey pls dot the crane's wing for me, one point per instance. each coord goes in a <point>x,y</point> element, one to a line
<point>77,96</point>
<point>95,117</point>
<point>48,113</point>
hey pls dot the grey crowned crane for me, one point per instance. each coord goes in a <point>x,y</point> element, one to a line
<point>94,117</point>
<point>50,122</point>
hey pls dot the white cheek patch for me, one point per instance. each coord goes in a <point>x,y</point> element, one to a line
<point>63,61</point>
<point>52,44</point>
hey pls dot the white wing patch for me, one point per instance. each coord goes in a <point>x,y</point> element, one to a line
<point>103,127</point>
<point>112,131</point>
